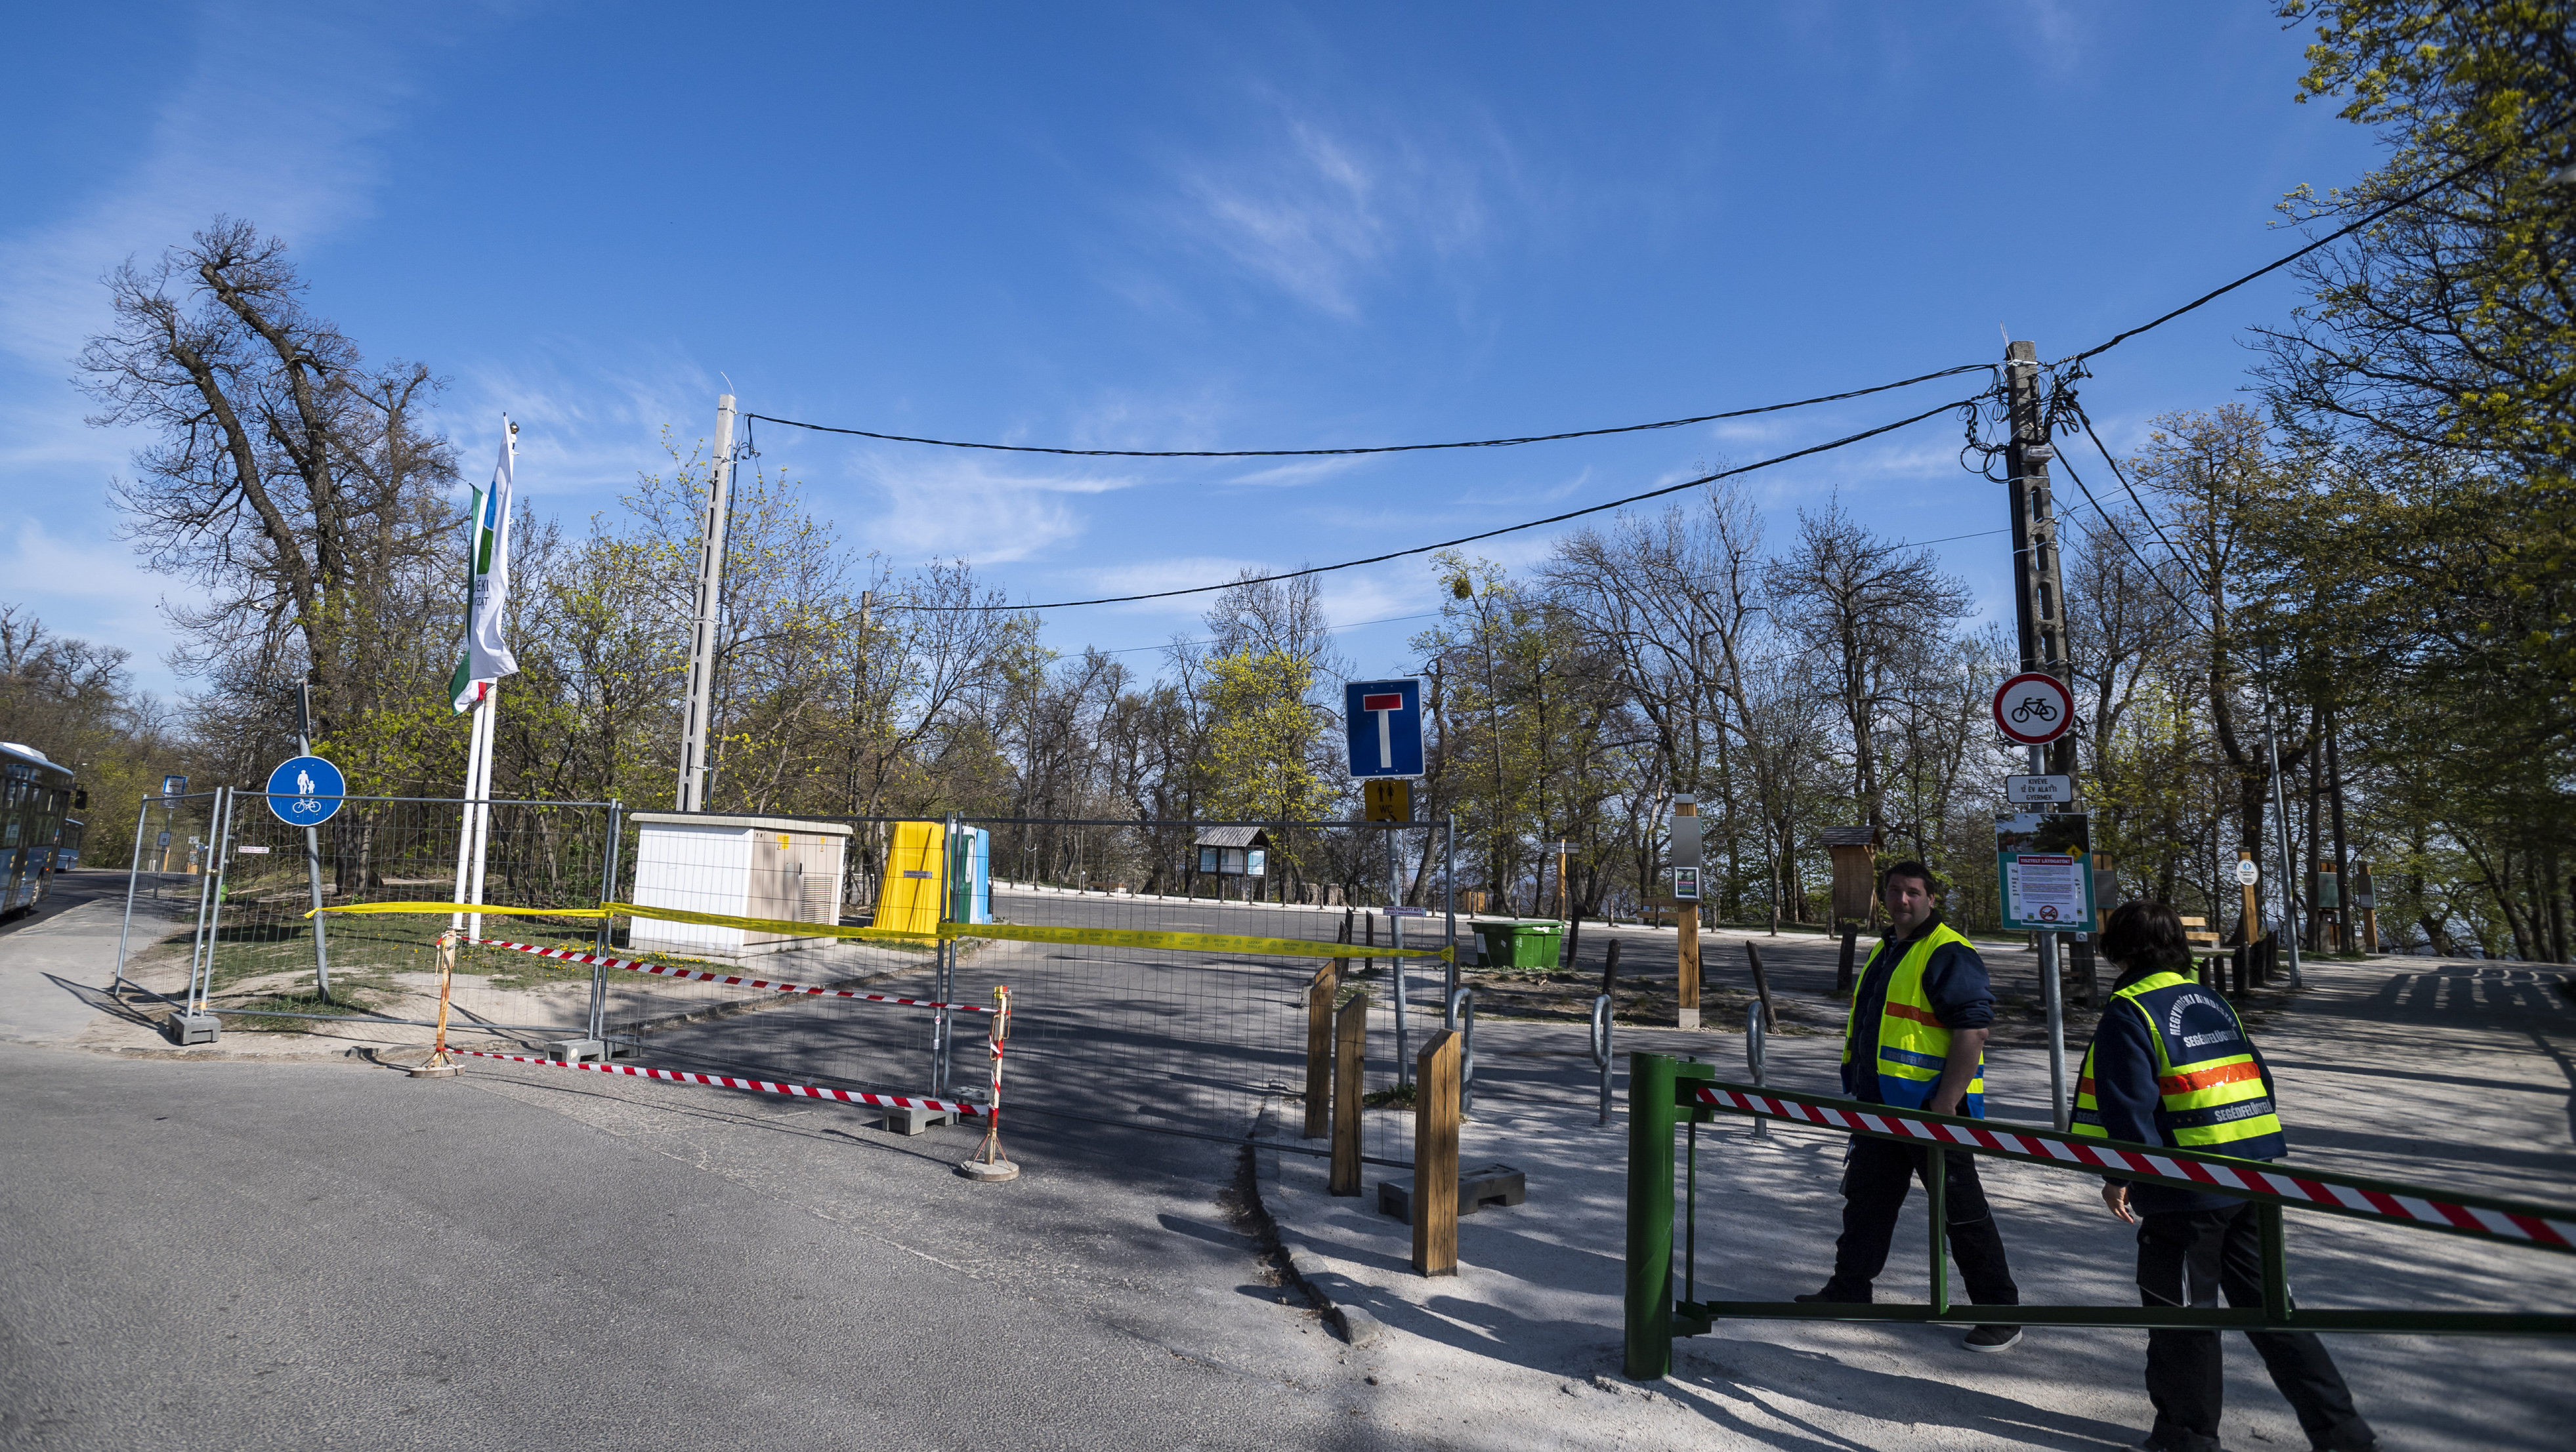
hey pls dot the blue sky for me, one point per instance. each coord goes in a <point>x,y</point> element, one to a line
<point>1166,226</point>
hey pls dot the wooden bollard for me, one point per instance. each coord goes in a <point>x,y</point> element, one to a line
<point>1350,1060</point>
<point>1435,1156</point>
<point>1319,1050</point>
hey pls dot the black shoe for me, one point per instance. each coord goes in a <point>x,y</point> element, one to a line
<point>1829,1297</point>
<point>1993,1338</point>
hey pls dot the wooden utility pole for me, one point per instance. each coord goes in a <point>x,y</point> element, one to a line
<point>2039,602</point>
<point>1686,917</point>
<point>1319,1049</point>
<point>2253,904</point>
<point>1435,1157</point>
<point>1350,1061</point>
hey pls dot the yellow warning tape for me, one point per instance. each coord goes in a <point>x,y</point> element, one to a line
<point>443,909</point>
<point>1186,942</point>
<point>1227,943</point>
<point>760,925</point>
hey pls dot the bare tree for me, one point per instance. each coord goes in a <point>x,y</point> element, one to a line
<point>1863,607</point>
<point>288,481</point>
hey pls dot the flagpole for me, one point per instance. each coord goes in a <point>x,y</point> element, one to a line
<point>465,818</point>
<point>484,721</point>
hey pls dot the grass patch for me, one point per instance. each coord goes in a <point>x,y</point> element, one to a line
<point>1399,1097</point>
<point>343,1002</point>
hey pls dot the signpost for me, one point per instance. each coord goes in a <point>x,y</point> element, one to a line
<point>2247,874</point>
<point>2039,791</point>
<point>305,791</point>
<point>1686,869</point>
<point>2034,709</point>
<point>1383,720</point>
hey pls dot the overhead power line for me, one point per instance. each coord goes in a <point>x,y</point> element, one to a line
<point>1844,441</point>
<point>1670,423</point>
<point>2456,174</point>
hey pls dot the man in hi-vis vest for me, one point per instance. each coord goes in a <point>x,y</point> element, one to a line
<point>2172,1065</point>
<point>1916,1039</point>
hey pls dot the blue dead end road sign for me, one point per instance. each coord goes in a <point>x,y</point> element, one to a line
<point>1385,723</point>
<point>305,791</point>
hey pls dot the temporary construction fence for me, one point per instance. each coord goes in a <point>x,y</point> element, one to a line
<point>1666,1094</point>
<point>1166,1011</point>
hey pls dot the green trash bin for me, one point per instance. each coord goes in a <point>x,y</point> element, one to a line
<point>1523,943</point>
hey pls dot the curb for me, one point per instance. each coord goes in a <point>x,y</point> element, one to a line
<point>1306,1269</point>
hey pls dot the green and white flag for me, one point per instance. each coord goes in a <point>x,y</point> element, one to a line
<point>487,655</point>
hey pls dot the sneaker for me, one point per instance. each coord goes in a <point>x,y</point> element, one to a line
<point>1993,1338</point>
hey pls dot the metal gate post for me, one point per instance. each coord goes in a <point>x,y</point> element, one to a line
<point>142,819</point>
<point>597,1027</point>
<point>1936,1191</point>
<point>1650,1217</point>
<point>1461,1020</point>
<point>1395,935</point>
<point>1449,893</point>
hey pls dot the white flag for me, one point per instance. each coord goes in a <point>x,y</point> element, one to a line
<point>487,655</point>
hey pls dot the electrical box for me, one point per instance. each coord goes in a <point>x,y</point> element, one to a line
<point>777,868</point>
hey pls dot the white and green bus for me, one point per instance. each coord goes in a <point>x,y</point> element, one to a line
<point>37,798</point>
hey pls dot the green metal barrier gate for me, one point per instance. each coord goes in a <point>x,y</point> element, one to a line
<point>1666,1093</point>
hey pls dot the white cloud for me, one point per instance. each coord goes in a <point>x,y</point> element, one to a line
<point>971,508</point>
<point>97,589</point>
<point>1321,215</point>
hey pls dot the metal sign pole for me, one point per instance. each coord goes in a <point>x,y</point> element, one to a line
<point>313,856</point>
<point>1395,933</point>
<point>2049,995</point>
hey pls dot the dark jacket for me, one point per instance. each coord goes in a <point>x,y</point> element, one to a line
<point>2124,1086</point>
<point>1955,980</point>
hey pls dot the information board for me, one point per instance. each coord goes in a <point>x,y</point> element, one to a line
<point>2045,864</point>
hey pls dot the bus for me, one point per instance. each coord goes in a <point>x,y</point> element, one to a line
<point>37,798</point>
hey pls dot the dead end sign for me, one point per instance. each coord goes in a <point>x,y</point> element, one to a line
<point>1384,720</point>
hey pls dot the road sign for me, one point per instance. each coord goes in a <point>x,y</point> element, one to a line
<point>1385,723</point>
<point>2034,708</point>
<point>2038,790</point>
<point>305,791</point>
<point>2247,874</point>
<point>174,786</point>
<point>2046,863</point>
<point>1387,800</point>
<point>164,842</point>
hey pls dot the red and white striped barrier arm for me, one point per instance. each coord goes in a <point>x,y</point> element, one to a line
<point>757,1086</point>
<point>2352,1199</point>
<point>666,970</point>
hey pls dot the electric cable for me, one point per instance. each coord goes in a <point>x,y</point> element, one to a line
<point>1670,423</point>
<point>2409,199</point>
<point>2122,475</point>
<point>2117,533</point>
<point>1844,441</point>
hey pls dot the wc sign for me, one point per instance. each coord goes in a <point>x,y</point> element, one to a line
<point>1385,723</point>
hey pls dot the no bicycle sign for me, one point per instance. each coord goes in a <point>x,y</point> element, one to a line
<point>2034,708</point>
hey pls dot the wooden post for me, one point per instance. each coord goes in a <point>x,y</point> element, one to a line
<point>1319,1050</point>
<point>1687,917</point>
<point>2364,885</point>
<point>1350,1059</point>
<point>2253,906</point>
<point>1435,1157</point>
<point>1843,969</point>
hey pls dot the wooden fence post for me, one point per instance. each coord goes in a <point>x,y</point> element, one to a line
<point>1435,1157</point>
<point>1350,1058</point>
<point>1319,1050</point>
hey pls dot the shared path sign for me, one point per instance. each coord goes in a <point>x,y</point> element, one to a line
<point>305,791</point>
<point>1385,723</point>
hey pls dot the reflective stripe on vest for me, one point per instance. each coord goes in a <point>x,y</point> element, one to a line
<point>2211,1094</point>
<point>1913,1045</point>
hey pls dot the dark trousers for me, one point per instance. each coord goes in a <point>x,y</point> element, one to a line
<point>2186,1258</point>
<point>1876,1178</point>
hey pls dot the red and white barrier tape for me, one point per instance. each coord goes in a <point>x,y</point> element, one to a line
<point>759,1086</point>
<point>632,965</point>
<point>2478,1220</point>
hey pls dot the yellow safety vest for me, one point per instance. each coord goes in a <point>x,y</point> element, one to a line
<point>2210,1090</point>
<point>1913,1044</point>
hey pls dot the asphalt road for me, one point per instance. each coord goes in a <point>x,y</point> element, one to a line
<point>220,1255</point>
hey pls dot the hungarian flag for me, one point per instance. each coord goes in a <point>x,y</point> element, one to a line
<point>487,655</point>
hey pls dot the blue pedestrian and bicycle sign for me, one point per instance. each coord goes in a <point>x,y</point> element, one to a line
<point>1385,721</point>
<point>306,791</point>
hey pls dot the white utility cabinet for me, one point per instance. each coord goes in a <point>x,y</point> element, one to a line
<point>741,867</point>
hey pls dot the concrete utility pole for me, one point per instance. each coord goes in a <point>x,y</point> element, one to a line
<point>694,727</point>
<point>2039,610</point>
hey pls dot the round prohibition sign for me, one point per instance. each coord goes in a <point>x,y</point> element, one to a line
<point>2034,708</point>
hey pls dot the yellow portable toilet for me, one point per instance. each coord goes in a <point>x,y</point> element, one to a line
<point>916,878</point>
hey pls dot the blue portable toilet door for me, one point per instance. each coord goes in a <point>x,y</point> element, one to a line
<point>981,905</point>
